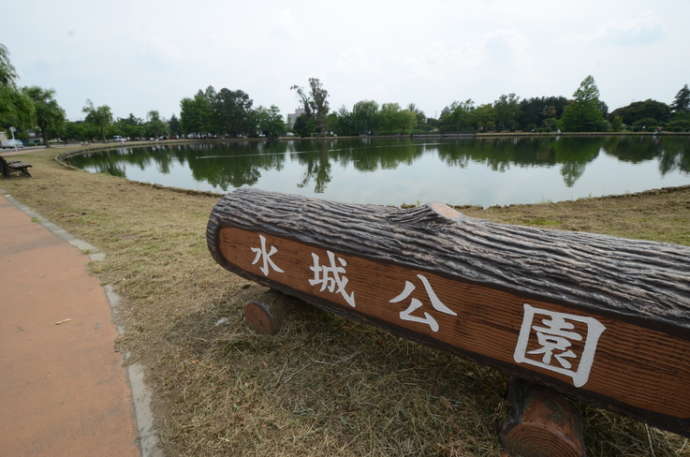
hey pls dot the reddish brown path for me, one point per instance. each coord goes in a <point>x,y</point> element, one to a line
<point>63,389</point>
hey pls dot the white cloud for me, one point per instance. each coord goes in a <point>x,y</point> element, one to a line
<point>640,30</point>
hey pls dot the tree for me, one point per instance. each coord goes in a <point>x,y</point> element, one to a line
<point>604,108</point>
<point>585,113</point>
<point>342,122</point>
<point>407,121</point>
<point>484,117</point>
<point>393,120</point>
<point>419,114</point>
<point>458,117</point>
<point>100,117</point>
<point>196,114</point>
<point>155,127</point>
<point>507,112</point>
<point>130,127</point>
<point>78,130</point>
<point>649,108</point>
<point>304,125</point>
<point>588,92</point>
<point>270,122</point>
<point>535,111</point>
<point>616,123</point>
<point>365,116</point>
<point>50,117</point>
<point>319,100</point>
<point>681,103</point>
<point>335,123</point>
<point>647,123</point>
<point>191,115</point>
<point>232,112</point>
<point>432,124</point>
<point>679,125</point>
<point>7,72</point>
<point>209,100</point>
<point>223,112</point>
<point>175,126</point>
<point>16,109</point>
<point>304,99</point>
<point>316,103</point>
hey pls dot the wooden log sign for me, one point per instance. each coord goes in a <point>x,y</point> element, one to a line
<point>602,317</point>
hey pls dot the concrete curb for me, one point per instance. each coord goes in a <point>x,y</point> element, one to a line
<point>141,395</point>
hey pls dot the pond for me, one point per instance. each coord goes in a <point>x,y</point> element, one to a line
<point>471,171</point>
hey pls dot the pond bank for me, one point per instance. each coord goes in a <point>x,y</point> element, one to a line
<point>322,386</point>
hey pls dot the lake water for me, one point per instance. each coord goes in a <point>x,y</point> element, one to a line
<point>394,171</point>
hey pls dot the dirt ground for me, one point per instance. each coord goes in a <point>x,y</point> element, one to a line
<point>322,386</point>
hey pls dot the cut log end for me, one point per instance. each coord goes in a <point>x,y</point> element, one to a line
<point>446,211</point>
<point>264,318</point>
<point>541,423</point>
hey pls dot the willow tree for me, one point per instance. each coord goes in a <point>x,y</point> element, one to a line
<point>99,116</point>
<point>7,72</point>
<point>50,117</point>
<point>16,108</point>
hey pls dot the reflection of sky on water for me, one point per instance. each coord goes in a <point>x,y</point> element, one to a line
<point>423,174</point>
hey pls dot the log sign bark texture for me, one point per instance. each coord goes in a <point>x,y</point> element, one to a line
<point>603,317</point>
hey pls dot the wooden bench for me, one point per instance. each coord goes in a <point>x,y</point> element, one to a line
<point>599,317</point>
<point>8,168</point>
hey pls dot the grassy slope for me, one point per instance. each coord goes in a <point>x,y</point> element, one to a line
<point>323,386</point>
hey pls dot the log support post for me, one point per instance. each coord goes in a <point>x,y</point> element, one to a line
<point>265,317</point>
<point>541,423</point>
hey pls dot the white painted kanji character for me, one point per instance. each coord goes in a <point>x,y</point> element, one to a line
<point>415,304</point>
<point>332,277</point>
<point>265,256</point>
<point>554,338</point>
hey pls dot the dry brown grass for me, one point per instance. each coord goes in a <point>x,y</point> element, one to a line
<point>323,386</point>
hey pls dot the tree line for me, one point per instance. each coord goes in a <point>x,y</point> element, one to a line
<point>228,113</point>
<point>231,113</point>
<point>584,112</point>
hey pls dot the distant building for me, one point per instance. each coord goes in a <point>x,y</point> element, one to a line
<point>292,117</point>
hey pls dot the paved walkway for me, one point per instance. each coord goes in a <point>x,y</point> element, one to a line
<point>63,389</point>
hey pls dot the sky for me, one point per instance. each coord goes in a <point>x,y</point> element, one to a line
<point>141,55</point>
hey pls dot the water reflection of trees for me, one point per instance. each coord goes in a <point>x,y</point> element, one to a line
<point>216,164</point>
<point>317,166</point>
<point>241,167</point>
<point>316,157</point>
<point>239,164</point>
<point>673,153</point>
<point>574,154</point>
<point>500,154</point>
